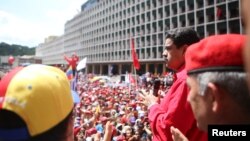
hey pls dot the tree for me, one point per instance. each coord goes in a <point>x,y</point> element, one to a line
<point>15,50</point>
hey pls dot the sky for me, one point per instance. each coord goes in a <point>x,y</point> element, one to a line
<point>29,22</point>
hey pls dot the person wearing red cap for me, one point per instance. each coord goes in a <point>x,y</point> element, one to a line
<point>217,81</point>
<point>173,109</point>
<point>72,61</point>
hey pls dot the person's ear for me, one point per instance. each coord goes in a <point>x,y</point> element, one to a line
<point>214,96</point>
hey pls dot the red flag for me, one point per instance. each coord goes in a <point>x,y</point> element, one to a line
<point>135,59</point>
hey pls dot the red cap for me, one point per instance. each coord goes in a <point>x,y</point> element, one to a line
<point>120,138</point>
<point>123,119</point>
<point>87,112</point>
<point>216,53</point>
<point>91,131</point>
<point>103,119</point>
<point>76,130</point>
<point>133,104</point>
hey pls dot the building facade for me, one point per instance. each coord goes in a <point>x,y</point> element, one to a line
<point>103,30</point>
<point>52,50</point>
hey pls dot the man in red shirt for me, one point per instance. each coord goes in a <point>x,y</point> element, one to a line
<point>173,109</point>
<point>72,61</point>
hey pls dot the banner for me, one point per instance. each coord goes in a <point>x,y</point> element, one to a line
<point>82,64</point>
<point>135,59</point>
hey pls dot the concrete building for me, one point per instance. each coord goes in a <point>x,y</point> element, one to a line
<point>52,50</point>
<point>103,30</point>
<point>28,59</point>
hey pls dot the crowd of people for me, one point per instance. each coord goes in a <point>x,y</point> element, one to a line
<point>209,87</point>
<point>120,106</point>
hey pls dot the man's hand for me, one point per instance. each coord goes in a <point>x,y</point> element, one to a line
<point>108,131</point>
<point>148,98</point>
<point>177,135</point>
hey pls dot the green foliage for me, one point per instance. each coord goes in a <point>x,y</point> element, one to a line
<point>15,50</point>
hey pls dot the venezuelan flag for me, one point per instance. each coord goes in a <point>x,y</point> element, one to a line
<point>69,73</point>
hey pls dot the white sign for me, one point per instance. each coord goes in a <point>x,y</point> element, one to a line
<point>82,64</point>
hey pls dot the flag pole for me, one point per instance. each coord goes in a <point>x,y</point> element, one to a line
<point>127,80</point>
<point>135,78</point>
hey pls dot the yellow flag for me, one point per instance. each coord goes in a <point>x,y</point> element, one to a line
<point>98,109</point>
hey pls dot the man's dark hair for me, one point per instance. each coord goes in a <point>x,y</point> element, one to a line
<point>10,120</point>
<point>183,36</point>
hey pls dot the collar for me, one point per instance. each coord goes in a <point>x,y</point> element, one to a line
<point>181,72</point>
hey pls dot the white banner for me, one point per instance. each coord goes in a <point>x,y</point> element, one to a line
<point>82,64</point>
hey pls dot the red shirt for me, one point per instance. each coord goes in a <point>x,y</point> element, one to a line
<point>174,110</point>
<point>72,61</point>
